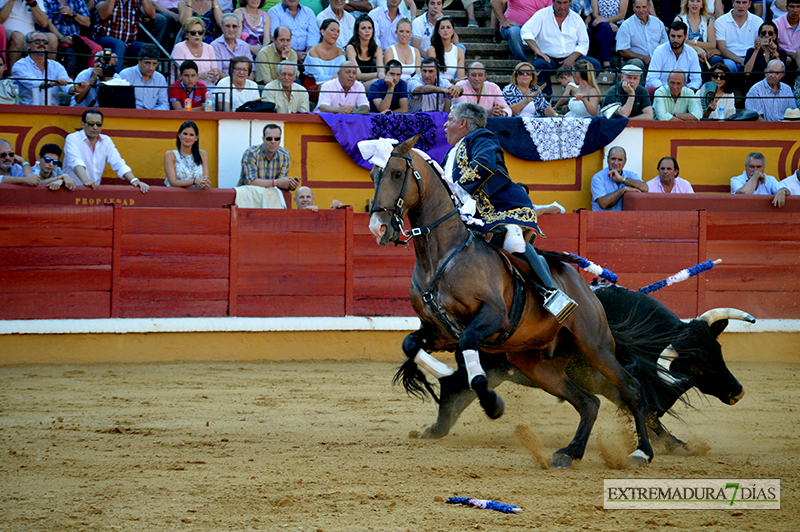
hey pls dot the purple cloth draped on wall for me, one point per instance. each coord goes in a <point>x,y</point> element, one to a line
<point>349,130</point>
<point>532,139</point>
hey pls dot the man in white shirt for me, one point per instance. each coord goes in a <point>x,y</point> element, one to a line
<point>386,19</point>
<point>787,187</point>
<point>38,78</point>
<point>86,153</point>
<point>674,55</point>
<point>639,35</point>
<point>422,26</point>
<point>558,36</point>
<point>343,94</point>
<point>736,32</point>
<point>753,180</point>
<point>346,21</point>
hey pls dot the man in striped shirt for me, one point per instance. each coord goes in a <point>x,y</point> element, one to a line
<point>769,97</point>
<point>267,165</point>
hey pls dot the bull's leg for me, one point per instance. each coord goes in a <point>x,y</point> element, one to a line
<point>551,377</point>
<point>601,357</point>
<point>672,444</point>
<point>487,321</point>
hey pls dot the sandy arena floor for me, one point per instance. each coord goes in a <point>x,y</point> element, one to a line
<point>325,446</point>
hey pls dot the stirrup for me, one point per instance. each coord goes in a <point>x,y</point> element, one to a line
<point>559,304</point>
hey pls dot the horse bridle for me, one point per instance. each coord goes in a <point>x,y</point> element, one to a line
<point>397,210</point>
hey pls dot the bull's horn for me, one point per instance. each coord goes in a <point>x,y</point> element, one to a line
<point>726,313</point>
<point>665,360</point>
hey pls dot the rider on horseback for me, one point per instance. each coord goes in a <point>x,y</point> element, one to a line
<point>477,164</point>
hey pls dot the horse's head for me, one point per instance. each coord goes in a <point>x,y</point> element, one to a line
<point>397,189</point>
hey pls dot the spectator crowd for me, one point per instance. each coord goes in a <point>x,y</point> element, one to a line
<point>681,61</point>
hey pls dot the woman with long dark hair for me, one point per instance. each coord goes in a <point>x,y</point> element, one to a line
<point>323,60</point>
<point>722,105</point>
<point>450,56</point>
<point>187,167</point>
<point>365,52</point>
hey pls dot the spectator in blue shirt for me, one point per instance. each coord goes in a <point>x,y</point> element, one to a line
<point>613,181</point>
<point>150,86</point>
<point>301,21</point>
<point>389,94</point>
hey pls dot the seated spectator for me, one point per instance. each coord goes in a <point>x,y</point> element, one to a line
<point>13,168</point>
<point>475,89</point>
<point>40,79</point>
<point>304,200</point>
<point>9,94</point>
<point>187,167</point>
<point>347,22</point>
<point>278,51</point>
<point>48,170</point>
<point>209,13</point>
<point>522,95</point>
<point>788,35</point>
<point>613,182</point>
<point>17,19</point>
<point>86,153</point>
<point>343,94</point>
<point>117,26</point>
<point>229,45</point>
<point>408,56</point>
<point>68,17</point>
<point>769,97</point>
<point>187,88</point>
<point>255,24</point>
<point>422,27</point>
<point>512,14</point>
<point>675,101</point>
<point>237,89</point>
<point>674,55</point>
<point>104,69</point>
<point>429,91</point>
<point>150,86</point>
<point>787,187</point>
<point>765,49</point>
<point>737,30</point>
<point>723,103</point>
<point>753,180</point>
<point>569,88</point>
<point>195,49</point>
<point>389,94</point>
<point>288,96</point>
<point>300,20</point>
<point>607,15</point>
<point>363,49</point>
<point>586,101</point>
<point>267,164</point>
<point>633,98</point>
<point>667,180</point>
<point>323,60</point>
<point>700,31</point>
<point>385,17</point>
<point>443,48</point>
<point>640,34</point>
<point>558,36</point>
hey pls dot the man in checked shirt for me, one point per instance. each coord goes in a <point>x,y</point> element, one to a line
<point>267,165</point>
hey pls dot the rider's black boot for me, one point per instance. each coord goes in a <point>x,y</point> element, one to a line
<point>556,302</point>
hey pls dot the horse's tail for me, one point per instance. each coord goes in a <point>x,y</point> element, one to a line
<point>414,381</point>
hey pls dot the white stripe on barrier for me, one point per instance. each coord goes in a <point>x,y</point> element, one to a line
<point>351,323</point>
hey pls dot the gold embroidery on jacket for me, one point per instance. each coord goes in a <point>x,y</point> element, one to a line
<point>466,172</point>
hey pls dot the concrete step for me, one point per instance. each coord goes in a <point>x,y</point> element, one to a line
<point>482,15</point>
<point>475,35</point>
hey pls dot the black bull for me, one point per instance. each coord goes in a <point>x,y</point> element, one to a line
<point>666,355</point>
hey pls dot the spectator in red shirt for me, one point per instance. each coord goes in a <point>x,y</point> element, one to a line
<point>187,87</point>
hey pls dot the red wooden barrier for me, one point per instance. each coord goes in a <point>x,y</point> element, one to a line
<point>707,202</point>
<point>113,261</point>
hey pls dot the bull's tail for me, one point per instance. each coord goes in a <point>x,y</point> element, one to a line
<point>414,381</point>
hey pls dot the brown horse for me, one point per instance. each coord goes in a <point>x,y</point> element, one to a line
<point>463,293</point>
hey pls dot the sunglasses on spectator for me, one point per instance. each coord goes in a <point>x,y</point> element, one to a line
<point>524,73</point>
<point>767,33</point>
<point>93,124</point>
<point>194,32</point>
<point>38,41</point>
<point>270,139</point>
<point>10,155</point>
<point>49,160</point>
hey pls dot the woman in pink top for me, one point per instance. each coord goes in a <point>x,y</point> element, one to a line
<point>668,180</point>
<point>516,14</point>
<point>195,49</point>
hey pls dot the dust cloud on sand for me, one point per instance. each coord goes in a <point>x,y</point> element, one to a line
<point>325,446</point>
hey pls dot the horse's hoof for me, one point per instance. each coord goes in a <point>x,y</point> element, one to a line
<point>493,405</point>
<point>560,461</point>
<point>433,433</point>
<point>638,459</point>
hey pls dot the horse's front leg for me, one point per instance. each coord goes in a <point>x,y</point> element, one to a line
<point>486,322</point>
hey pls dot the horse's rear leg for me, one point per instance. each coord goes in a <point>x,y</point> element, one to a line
<point>551,377</point>
<point>487,321</point>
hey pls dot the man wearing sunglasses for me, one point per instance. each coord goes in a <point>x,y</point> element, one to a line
<point>38,78</point>
<point>88,151</point>
<point>267,165</point>
<point>48,170</point>
<point>13,168</point>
